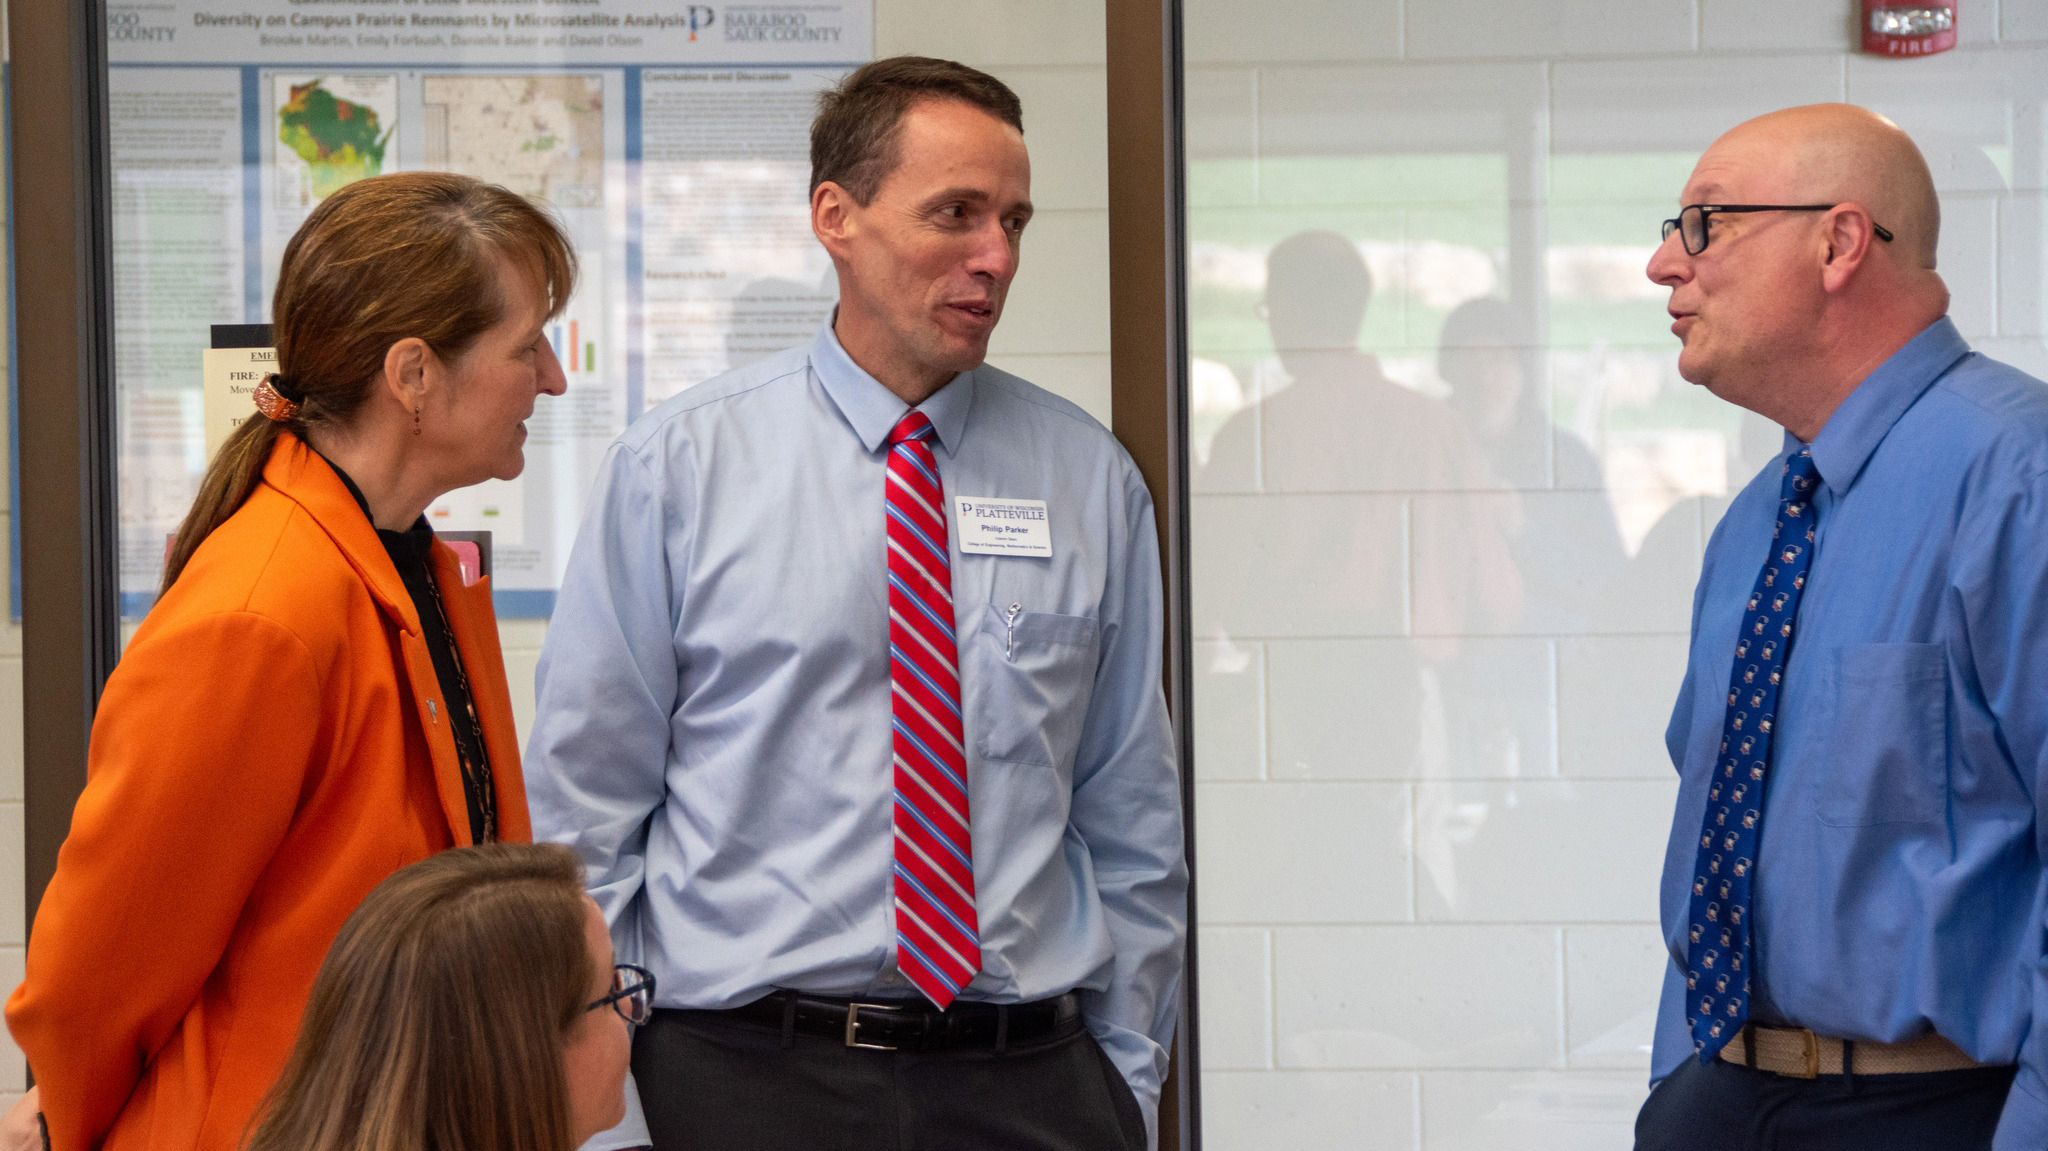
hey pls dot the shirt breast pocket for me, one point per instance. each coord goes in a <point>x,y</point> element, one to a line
<point>1886,750</point>
<point>1037,675</point>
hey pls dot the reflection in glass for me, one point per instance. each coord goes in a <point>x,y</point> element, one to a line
<point>1566,554</point>
<point>1449,501</point>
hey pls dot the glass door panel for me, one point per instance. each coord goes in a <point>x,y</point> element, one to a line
<point>1449,498</point>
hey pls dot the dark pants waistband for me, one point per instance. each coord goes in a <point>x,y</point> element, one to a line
<point>908,1024</point>
<point>1724,1106</point>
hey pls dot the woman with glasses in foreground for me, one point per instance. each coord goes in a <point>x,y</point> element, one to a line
<point>471,1002</point>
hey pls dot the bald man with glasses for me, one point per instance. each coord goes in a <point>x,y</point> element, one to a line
<point>1853,895</point>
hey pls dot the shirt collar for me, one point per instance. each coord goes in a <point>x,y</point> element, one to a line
<point>874,410</point>
<point>1851,435</point>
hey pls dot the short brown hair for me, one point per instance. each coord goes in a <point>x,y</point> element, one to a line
<point>853,140</point>
<point>409,254</point>
<point>439,1018</point>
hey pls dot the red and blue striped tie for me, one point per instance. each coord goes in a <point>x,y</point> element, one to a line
<point>938,936</point>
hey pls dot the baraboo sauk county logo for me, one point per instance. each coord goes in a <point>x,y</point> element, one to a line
<point>128,27</point>
<point>779,24</point>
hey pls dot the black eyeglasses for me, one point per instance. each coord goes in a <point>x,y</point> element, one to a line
<point>632,994</point>
<point>1691,221</point>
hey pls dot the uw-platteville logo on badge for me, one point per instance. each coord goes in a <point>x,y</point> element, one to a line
<point>1000,527</point>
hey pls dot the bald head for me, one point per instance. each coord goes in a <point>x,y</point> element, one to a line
<point>1785,310</point>
<point>1832,153</point>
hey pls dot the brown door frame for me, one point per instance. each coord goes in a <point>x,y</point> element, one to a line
<point>1148,410</point>
<point>63,338</point>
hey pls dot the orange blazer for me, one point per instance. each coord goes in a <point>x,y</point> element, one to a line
<point>262,757</point>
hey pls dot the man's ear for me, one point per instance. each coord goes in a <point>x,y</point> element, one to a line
<point>833,217</point>
<point>1849,236</point>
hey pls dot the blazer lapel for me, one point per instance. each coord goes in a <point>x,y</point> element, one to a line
<point>307,480</point>
<point>300,474</point>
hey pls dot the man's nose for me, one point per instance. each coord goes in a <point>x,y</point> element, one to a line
<point>1669,264</point>
<point>995,252</point>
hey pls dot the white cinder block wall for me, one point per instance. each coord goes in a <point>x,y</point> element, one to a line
<point>1430,817</point>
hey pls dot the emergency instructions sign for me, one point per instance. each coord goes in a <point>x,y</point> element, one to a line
<point>995,527</point>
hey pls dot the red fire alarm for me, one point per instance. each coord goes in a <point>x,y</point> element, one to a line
<point>1892,29</point>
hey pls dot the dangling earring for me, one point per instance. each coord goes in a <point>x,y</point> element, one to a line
<point>415,419</point>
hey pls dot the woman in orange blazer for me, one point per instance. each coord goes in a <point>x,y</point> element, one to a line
<point>318,697</point>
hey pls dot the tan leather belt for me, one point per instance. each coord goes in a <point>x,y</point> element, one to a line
<point>1801,1054</point>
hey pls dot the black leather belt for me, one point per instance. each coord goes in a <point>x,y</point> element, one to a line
<point>911,1025</point>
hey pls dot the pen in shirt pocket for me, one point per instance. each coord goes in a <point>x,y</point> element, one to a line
<point>1010,630</point>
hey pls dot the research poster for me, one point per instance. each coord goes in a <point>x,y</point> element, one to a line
<point>671,141</point>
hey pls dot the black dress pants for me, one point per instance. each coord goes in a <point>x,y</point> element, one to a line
<point>1728,1107</point>
<point>709,1081</point>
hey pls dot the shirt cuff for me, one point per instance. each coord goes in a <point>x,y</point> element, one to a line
<point>631,1131</point>
<point>1142,1063</point>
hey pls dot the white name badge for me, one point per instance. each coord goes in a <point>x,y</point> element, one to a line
<point>993,527</point>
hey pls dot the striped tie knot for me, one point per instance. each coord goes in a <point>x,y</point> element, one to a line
<point>913,426</point>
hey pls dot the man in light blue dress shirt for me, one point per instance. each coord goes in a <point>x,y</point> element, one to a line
<point>1897,994</point>
<point>714,735</point>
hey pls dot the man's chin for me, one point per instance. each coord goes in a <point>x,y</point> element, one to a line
<point>961,356</point>
<point>1692,371</point>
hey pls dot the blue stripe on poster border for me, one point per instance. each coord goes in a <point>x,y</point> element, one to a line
<point>515,603</point>
<point>636,326</point>
<point>523,603</point>
<point>252,195</point>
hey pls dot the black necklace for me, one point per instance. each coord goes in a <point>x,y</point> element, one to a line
<point>476,777</point>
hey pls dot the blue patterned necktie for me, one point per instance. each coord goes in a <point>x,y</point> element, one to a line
<point>1718,956</point>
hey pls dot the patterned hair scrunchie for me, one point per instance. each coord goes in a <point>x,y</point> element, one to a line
<point>271,402</point>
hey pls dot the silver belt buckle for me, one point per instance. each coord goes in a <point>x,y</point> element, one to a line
<point>853,1027</point>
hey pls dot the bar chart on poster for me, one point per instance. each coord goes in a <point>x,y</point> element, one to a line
<point>670,141</point>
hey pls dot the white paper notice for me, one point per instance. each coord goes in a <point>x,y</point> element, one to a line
<point>229,389</point>
<point>994,527</point>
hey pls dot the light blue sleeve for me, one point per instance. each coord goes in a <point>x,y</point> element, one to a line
<point>2003,585</point>
<point>605,688</point>
<point>1127,809</point>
